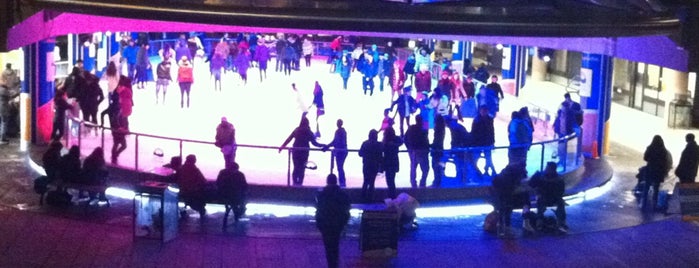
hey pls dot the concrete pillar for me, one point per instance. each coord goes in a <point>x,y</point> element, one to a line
<point>595,98</point>
<point>514,67</point>
<point>538,68</point>
<point>676,84</point>
<point>40,64</point>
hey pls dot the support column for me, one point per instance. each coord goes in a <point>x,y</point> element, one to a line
<point>41,89</point>
<point>514,69</point>
<point>462,52</point>
<point>538,67</point>
<point>595,98</point>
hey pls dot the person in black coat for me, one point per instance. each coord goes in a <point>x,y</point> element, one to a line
<point>303,136</point>
<point>339,143</point>
<point>91,98</point>
<point>495,87</point>
<point>483,134</point>
<point>687,168</point>
<point>332,213</point>
<point>232,188</point>
<point>372,156</point>
<point>391,165</point>
<point>504,185</point>
<point>51,160</point>
<point>459,141</point>
<point>59,117</point>
<point>94,171</point>
<point>418,149</point>
<point>406,107</point>
<point>437,148</point>
<point>550,187</point>
<point>69,169</point>
<point>658,164</point>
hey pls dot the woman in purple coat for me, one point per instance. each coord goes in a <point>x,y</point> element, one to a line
<point>262,57</point>
<point>242,63</point>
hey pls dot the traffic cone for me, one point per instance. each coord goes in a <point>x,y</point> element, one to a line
<point>595,154</point>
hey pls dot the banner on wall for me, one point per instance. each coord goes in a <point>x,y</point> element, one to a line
<point>506,55</point>
<point>585,82</point>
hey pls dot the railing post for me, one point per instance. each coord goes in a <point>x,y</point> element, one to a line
<point>541,165</point>
<point>136,150</point>
<point>288,168</point>
<point>332,161</point>
<point>80,131</point>
<point>66,131</point>
<point>102,143</point>
<point>180,150</point>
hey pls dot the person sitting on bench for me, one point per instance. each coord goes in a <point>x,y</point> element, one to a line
<point>95,172</point>
<point>232,187</point>
<point>69,169</point>
<point>550,187</point>
<point>192,185</point>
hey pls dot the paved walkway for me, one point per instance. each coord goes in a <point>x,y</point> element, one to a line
<point>607,231</point>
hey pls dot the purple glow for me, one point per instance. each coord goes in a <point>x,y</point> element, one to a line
<point>659,50</point>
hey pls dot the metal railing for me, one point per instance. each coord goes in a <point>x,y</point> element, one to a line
<point>557,148</point>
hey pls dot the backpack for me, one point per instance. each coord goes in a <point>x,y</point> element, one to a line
<point>59,198</point>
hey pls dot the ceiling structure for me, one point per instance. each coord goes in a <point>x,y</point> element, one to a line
<point>622,28</point>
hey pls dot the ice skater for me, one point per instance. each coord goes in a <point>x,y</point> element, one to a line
<point>319,104</point>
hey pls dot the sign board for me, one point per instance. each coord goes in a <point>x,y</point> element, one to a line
<point>689,201</point>
<point>379,233</point>
<point>585,82</point>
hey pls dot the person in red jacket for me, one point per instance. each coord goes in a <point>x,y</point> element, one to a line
<point>185,77</point>
<point>125,101</point>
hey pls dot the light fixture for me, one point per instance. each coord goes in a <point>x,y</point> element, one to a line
<point>411,44</point>
<point>499,46</point>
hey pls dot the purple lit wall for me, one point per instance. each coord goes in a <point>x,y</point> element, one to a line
<point>658,50</point>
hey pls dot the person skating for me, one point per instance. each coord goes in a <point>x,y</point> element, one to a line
<point>437,151</point>
<point>483,133</point>
<point>319,104</point>
<point>242,63</point>
<point>396,79</point>
<point>225,139</point>
<point>262,57</point>
<point>339,144</point>
<point>371,153</point>
<point>302,136</point>
<point>418,149</point>
<point>143,66</point>
<point>164,79</point>
<point>185,77</point>
<point>391,165</point>
<point>406,107</point>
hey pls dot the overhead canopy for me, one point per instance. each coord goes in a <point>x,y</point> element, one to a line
<point>654,49</point>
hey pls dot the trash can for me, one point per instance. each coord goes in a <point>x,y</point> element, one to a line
<point>378,233</point>
<point>155,211</point>
<point>680,114</point>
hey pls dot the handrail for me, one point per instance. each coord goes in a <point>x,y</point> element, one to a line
<point>450,151</point>
<point>459,149</point>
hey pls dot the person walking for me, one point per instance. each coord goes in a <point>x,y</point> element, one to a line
<point>339,144</point>
<point>371,153</point>
<point>418,149</point>
<point>345,70</point>
<point>225,139</point>
<point>332,213</point>
<point>6,94</point>
<point>687,168</point>
<point>185,76</point>
<point>302,136</point>
<point>658,164</point>
<point>131,55</point>
<point>391,165</point>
